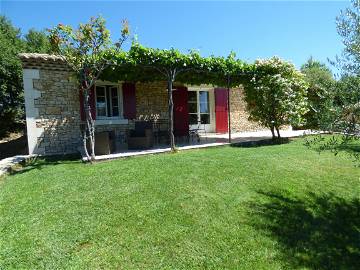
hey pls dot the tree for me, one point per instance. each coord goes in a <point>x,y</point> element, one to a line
<point>319,93</point>
<point>276,94</point>
<point>347,24</point>
<point>11,91</point>
<point>11,97</point>
<point>348,91</point>
<point>343,114</point>
<point>37,42</point>
<point>86,50</point>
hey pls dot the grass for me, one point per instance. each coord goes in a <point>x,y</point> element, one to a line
<point>269,207</point>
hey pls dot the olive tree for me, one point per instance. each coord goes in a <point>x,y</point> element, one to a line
<point>346,118</point>
<point>85,50</point>
<point>276,94</point>
<point>342,118</point>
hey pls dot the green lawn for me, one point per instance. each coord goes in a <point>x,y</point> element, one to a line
<point>268,207</point>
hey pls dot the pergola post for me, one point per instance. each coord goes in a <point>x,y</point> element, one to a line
<point>171,78</point>
<point>228,105</point>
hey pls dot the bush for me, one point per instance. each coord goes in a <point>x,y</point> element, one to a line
<point>276,95</point>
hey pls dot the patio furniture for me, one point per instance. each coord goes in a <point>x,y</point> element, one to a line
<point>194,132</point>
<point>142,137</point>
<point>104,143</point>
<point>161,131</point>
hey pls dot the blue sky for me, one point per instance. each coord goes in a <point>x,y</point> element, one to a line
<point>293,30</point>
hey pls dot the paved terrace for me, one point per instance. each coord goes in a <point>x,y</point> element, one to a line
<point>210,140</point>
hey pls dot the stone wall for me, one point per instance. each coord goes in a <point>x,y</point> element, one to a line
<point>52,107</point>
<point>58,113</point>
<point>151,104</point>
<point>120,132</point>
<point>151,101</point>
<point>238,114</point>
<point>58,127</point>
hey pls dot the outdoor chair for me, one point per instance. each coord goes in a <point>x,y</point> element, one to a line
<point>161,131</point>
<point>194,132</point>
<point>142,136</point>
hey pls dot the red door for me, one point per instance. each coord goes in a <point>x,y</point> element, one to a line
<point>181,112</point>
<point>221,110</point>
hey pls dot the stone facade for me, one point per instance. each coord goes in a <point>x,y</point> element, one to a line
<point>151,104</point>
<point>53,108</point>
<point>58,112</point>
<point>239,117</point>
<point>120,132</point>
<point>151,101</point>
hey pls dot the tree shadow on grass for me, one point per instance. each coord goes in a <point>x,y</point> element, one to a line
<point>259,143</point>
<point>39,163</point>
<point>350,148</point>
<point>336,144</point>
<point>318,231</point>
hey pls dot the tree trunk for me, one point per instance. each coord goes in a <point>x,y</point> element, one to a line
<point>85,144</point>
<point>272,128</point>
<point>171,114</point>
<point>278,132</point>
<point>89,133</point>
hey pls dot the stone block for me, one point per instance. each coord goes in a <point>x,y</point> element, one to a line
<point>53,110</point>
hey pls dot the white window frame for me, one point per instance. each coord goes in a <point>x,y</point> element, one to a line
<point>96,96</point>
<point>120,101</point>
<point>198,113</point>
<point>209,127</point>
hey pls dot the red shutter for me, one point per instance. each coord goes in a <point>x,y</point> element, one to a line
<point>92,104</point>
<point>129,100</point>
<point>221,110</point>
<point>181,112</point>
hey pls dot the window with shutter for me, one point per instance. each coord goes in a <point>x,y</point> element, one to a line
<point>108,102</point>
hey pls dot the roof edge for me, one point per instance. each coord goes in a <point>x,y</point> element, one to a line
<point>41,57</point>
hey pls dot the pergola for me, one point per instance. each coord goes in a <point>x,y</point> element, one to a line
<point>141,64</point>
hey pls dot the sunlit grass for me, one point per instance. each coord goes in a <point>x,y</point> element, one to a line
<point>219,208</point>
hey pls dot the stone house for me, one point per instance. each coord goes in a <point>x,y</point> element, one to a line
<point>54,114</point>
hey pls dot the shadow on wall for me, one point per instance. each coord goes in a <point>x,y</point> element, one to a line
<point>61,135</point>
<point>317,231</point>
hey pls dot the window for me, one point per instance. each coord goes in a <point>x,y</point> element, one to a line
<point>193,108</point>
<point>204,107</point>
<point>199,109</point>
<point>108,101</point>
